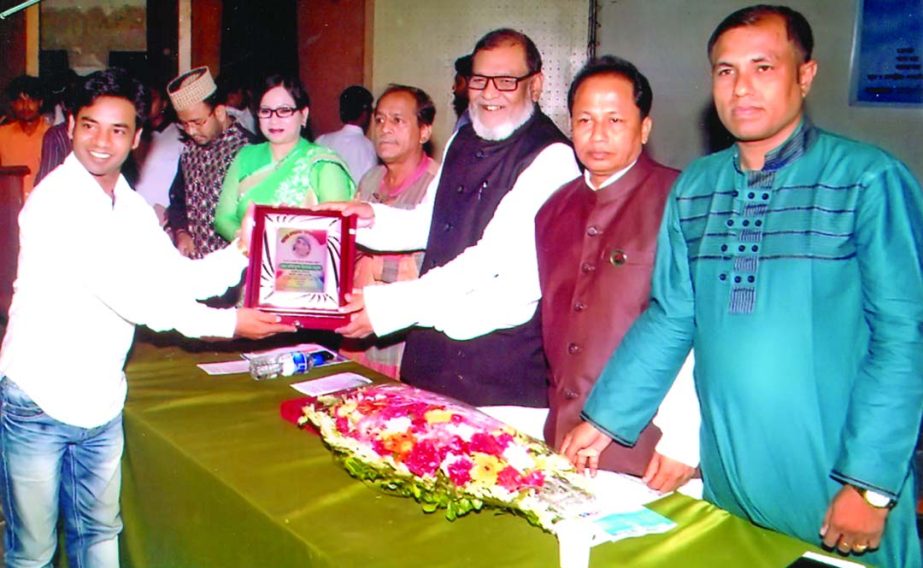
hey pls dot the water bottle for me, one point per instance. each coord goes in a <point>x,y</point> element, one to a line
<point>287,364</point>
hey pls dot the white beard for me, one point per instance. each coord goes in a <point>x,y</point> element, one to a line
<point>502,131</point>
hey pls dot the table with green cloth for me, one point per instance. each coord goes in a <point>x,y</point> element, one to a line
<point>213,477</point>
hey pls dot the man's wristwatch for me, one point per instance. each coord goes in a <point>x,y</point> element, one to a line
<point>876,499</point>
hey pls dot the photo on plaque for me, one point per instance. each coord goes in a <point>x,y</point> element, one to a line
<point>302,256</point>
<point>301,265</point>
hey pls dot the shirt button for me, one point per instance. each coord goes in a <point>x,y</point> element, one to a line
<point>755,248</point>
<point>570,394</point>
<point>586,267</point>
<point>751,195</point>
<point>722,277</point>
<point>460,189</point>
<point>746,223</point>
<point>481,154</point>
<point>447,227</point>
<point>593,231</point>
<point>735,193</point>
<point>737,279</point>
<point>573,349</point>
<point>579,307</point>
<point>751,279</point>
<point>618,257</point>
<point>742,248</point>
<point>765,196</point>
<point>730,223</point>
<point>758,223</point>
<point>724,248</point>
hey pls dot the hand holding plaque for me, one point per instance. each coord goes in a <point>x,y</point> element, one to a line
<point>301,265</point>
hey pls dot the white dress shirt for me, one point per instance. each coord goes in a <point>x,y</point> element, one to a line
<point>491,285</point>
<point>356,150</point>
<point>156,172</point>
<point>90,268</point>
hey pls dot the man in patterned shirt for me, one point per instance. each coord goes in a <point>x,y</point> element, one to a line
<point>213,138</point>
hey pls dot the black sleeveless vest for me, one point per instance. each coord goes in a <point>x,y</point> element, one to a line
<point>506,366</point>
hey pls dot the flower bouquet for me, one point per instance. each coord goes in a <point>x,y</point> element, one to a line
<point>446,454</point>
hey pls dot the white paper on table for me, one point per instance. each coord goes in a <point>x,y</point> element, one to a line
<point>329,384</point>
<point>225,367</point>
<point>832,561</point>
<point>621,493</point>
<point>530,421</point>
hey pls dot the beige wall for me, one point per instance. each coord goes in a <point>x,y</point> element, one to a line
<point>666,39</point>
<point>76,25</point>
<point>417,42</point>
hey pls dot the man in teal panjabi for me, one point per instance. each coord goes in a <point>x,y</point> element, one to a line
<point>792,262</point>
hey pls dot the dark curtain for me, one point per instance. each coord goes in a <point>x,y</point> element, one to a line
<point>259,37</point>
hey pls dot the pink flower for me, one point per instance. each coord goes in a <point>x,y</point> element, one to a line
<point>381,448</point>
<point>509,479</point>
<point>505,439</point>
<point>535,479</point>
<point>423,459</point>
<point>455,445</point>
<point>460,472</point>
<point>486,444</point>
<point>342,424</point>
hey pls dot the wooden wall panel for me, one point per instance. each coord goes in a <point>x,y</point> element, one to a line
<point>331,51</point>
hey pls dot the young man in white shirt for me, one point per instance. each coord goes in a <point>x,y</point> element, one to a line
<point>61,428</point>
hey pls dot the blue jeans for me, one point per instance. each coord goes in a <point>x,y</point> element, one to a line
<point>45,463</point>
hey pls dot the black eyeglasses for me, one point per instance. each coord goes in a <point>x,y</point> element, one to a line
<point>502,83</point>
<point>281,112</point>
<point>185,125</point>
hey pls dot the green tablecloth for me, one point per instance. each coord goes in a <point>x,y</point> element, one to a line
<point>213,477</point>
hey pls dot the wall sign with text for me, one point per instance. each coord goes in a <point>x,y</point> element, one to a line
<point>887,59</point>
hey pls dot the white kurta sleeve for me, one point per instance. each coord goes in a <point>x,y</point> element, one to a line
<point>491,285</point>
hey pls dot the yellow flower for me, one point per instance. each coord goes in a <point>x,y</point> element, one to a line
<point>438,416</point>
<point>486,468</point>
<point>346,409</point>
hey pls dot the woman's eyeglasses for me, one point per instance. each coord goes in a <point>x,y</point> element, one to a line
<point>281,112</point>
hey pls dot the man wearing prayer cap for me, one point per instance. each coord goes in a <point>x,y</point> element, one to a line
<point>213,138</point>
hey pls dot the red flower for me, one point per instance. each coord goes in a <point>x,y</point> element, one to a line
<point>460,472</point>
<point>423,459</point>
<point>381,448</point>
<point>486,444</point>
<point>535,479</point>
<point>456,445</point>
<point>509,479</point>
<point>342,424</point>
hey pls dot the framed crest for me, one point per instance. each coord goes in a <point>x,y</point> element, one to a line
<point>301,265</point>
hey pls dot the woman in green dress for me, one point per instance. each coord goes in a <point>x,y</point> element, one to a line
<point>284,170</point>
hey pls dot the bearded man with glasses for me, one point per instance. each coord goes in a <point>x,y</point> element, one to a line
<point>213,138</point>
<point>477,335</point>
